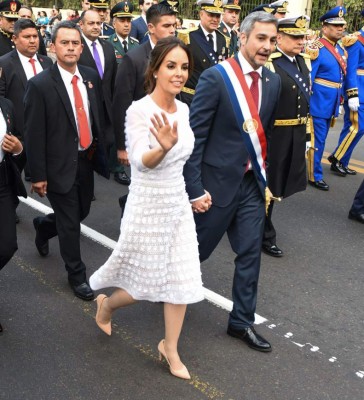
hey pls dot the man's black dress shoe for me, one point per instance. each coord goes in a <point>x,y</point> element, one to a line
<point>356,217</point>
<point>1,328</point>
<point>41,244</point>
<point>272,250</point>
<point>321,184</point>
<point>83,291</point>
<point>122,202</point>
<point>122,178</point>
<point>349,171</point>
<point>338,168</point>
<point>251,338</point>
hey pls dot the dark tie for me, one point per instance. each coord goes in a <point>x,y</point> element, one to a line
<point>32,61</point>
<point>97,59</point>
<point>210,40</point>
<point>125,46</point>
<point>82,122</point>
<point>295,64</point>
<point>254,88</point>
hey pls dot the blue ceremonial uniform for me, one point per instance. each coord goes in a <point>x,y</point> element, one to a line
<point>107,30</point>
<point>353,128</point>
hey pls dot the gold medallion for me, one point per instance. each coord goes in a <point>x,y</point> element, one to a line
<point>250,126</point>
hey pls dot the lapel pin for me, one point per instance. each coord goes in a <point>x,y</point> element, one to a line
<point>90,85</point>
<point>267,79</point>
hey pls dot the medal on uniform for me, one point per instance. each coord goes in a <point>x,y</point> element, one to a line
<point>250,125</point>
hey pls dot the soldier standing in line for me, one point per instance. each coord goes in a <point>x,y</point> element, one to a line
<point>121,15</point>
<point>230,18</point>
<point>287,144</point>
<point>207,44</point>
<point>353,128</point>
<point>101,6</point>
<point>8,16</point>
<point>328,72</point>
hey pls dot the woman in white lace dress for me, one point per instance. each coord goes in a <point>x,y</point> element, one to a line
<point>156,257</point>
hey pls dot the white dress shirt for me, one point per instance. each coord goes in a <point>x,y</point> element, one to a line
<point>3,129</point>
<point>27,66</point>
<point>213,33</point>
<point>67,80</point>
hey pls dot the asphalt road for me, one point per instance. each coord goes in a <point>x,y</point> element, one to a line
<point>312,300</point>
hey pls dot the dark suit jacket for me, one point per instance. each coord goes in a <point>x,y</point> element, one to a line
<point>138,29</point>
<point>13,82</point>
<point>14,164</point>
<point>129,86</point>
<point>201,59</point>
<point>6,44</point>
<point>108,80</point>
<point>51,134</point>
<point>219,159</point>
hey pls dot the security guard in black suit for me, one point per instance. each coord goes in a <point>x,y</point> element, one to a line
<point>101,6</point>
<point>287,144</point>
<point>207,44</point>
<point>8,15</point>
<point>230,18</point>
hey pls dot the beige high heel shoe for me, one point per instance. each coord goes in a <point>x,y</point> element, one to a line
<point>179,373</point>
<point>104,327</point>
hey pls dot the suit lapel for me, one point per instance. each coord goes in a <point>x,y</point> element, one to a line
<point>41,61</point>
<point>87,55</point>
<point>62,92</point>
<point>265,91</point>
<point>19,70</point>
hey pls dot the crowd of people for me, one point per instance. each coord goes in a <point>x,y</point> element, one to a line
<point>215,123</point>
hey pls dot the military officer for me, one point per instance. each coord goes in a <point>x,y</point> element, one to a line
<point>121,15</point>
<point>8,16</point>
<point>101,6</point>
<point>353,128</point>
<point>230,18</point>
<point>328,72</point>
<point>278,8</point>
<point>207,44</point>
<point>287,144</point>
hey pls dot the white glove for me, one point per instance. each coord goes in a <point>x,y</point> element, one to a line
<point>354,103</point>
<point>308,146</point>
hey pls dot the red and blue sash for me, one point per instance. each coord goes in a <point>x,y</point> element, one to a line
<point>333,50</point>
<point>246,114</point>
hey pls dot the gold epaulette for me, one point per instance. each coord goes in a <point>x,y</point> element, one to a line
<point>269,63</point>
<point>275,55</point>
<point>349,40</point>
<point>307,60</point>
<point>132,39</point>
<point>184,35</point>
<point>313,49</point>
<point>227,39</point>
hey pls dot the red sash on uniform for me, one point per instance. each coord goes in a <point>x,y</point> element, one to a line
<point>361,39</point>
<point>335,53</point>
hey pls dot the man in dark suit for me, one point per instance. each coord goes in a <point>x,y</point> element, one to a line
<point>232,114</point>
<point>12,158</point>
<point>230,18</point>
<point>8,15</point>
<point>207,44</point>
<point>121,15</point>
<point>65,144</point>
<point>139,26</point>
<point>16,68</point>
<point>129,82</point>
<point>290,136</point>
<point>99,54</point>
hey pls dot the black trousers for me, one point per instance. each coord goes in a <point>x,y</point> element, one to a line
<point>243,220</point>
<point>8,203</point>
<point>358,203</point>
<point>69,210</point>
<point>269,235</point>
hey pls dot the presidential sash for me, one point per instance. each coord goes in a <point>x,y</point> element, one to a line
<point>246,114</point>
<point>333,50</point>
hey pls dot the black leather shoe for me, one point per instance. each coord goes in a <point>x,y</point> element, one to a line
<point>83,291</point>
<point>251,338</point>
<point>1,328</point>
<point>41,244</point>
<point>321,184</point>
<point>122,178</point>
<point>338,168</point>
<point>122,202</point>
<point>273,250</point>
<point>356,217</point>
<point>331,158</point>
<point>349,171</point>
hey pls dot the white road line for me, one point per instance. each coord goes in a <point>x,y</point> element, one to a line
<point>98,237</point>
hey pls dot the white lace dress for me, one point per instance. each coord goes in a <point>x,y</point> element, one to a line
<point>156,257</point>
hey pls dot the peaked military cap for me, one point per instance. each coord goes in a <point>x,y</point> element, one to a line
<point>10,8</point>
<point>294,26</point>
<point>232,5</point>
<point>212,6</point>
<point>334,16</point>
<point>102,4</point>
<point>280,6</point>
<point>122,9</point>
<point>168,5</point>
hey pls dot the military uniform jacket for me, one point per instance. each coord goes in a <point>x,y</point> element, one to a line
<point>118,47</point>
<point>106,31</point>
<point>287,144</point>
<point>6,44</point>
<point>325,99</point>
<point>354,82</point>
<point>204,57</point>
<point>233,47</point>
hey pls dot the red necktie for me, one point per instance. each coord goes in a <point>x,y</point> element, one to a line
<point>254,88</point>
<point>82,122</point>
<point>32,61</point>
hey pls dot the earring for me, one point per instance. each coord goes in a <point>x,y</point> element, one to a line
<point>155,76</point>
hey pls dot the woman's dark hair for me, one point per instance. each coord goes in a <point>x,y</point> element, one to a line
<point>158,54</point>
